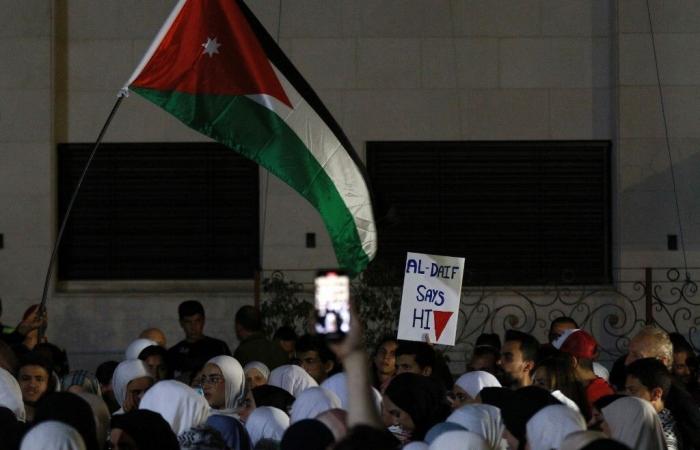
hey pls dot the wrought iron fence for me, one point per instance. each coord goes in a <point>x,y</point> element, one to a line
<point>666,297</point>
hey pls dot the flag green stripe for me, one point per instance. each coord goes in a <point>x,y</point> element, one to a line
<point>261,135</point>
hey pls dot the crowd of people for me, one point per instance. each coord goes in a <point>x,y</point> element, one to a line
<point>305,392</point>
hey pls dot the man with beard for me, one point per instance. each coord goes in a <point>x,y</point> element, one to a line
<point>518,356</point>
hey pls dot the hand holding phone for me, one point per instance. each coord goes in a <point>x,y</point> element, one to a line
<point>332,303</point>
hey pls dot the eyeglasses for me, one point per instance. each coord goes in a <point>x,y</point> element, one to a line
<point>211,379</point>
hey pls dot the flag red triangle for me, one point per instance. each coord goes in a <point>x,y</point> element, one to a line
<point>210,48</point>
<point>441,318</point>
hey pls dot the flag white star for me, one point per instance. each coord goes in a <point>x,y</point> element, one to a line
<point>211,47</point>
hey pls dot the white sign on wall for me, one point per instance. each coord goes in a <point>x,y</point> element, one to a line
<point>432,286</point>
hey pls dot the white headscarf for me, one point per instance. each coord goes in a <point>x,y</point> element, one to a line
<point>292,379</point>
<point>634,422</point>
<point>484,420</point>
<point>559,395</point>
<point>579,439</point>
<point>459,440</point>
<point>125,372</point>
<point>474,382</point>
<point>313,402</point>
<point>547,429</point>
<point>338,384</point>
<point>416,445</point>
<point>52,435</point>
<point>179,405</point>
<point>260,367</point>
<point>234,380</point>
<point>136,347</point>
<point>601,371</point>
<point>266,422</point>
<point>11,395</point>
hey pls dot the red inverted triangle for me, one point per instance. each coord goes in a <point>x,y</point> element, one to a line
<point>239,65</point>
<point>441,318</point>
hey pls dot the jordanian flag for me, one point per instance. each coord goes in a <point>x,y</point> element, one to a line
<point>215,67</point>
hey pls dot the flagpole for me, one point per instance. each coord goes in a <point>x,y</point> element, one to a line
<point>54,253</point>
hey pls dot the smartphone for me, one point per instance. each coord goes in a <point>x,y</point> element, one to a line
<point>332,303</point>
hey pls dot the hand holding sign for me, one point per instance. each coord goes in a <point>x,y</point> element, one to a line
<point>431,294</point>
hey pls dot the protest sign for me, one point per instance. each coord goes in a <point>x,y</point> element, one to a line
<point>430,302</point>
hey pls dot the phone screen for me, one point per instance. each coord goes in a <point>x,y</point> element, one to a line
<point>332,302</point>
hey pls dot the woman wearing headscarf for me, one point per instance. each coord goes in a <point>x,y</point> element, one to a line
<point>338,384</point>
<point>136,347</point>
<point>70,409</point>
<point>459,440</point>
<point>223,381</point>
<point>256,374</point>
<point>313,402</point>
<point>468,386</point>
<point>498,397</point>
<point>307,434</point>
<point>268,395</point>
<point>484,420</point>
<point>146,429</point>
<point>267,423</point>
<point>547,429</point>
<point>232,431</point>
<point>440,428</point>
<point>156,359</point>
<point>633,422</point>
<point>130,381</point>
<point>580,439</point>
<point>101,414</point>
<point>53,435</point>
<point>412,404</point>
<point>178,403</point>
<point>11,395</point>
<point>81,381</point>
<point>292,379</point>
<point>524,404</point>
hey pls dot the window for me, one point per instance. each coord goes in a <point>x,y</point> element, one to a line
<point>521,213</point>
<point>159,212</point>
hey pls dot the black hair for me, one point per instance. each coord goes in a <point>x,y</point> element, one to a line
<point>365,437</point>
<point>681,344</point>
<point>528,344</point>
<point>37,359</point>
<point>315,343</point>
<point>70,409</point>
<point>605,400</point>
<point>249,318</point>
<point>190,308</point>
<point>285,333</point>
<point>105,371</point>
<point>563,319</point>
<point>57,357</point>
<point>383,340</point>
<point>486,350</point>
<point>652,373</point>
<point>488,340</point>
<point>562,377</point>
<point>423,352</point>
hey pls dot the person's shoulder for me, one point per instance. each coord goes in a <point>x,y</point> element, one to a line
<point>178,346</point>
<point>212,342</point>
<point>599,387</point>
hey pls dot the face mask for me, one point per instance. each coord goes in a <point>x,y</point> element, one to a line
<point>399,433</point>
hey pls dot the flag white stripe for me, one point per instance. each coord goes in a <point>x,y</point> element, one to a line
<point>330,155</point>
